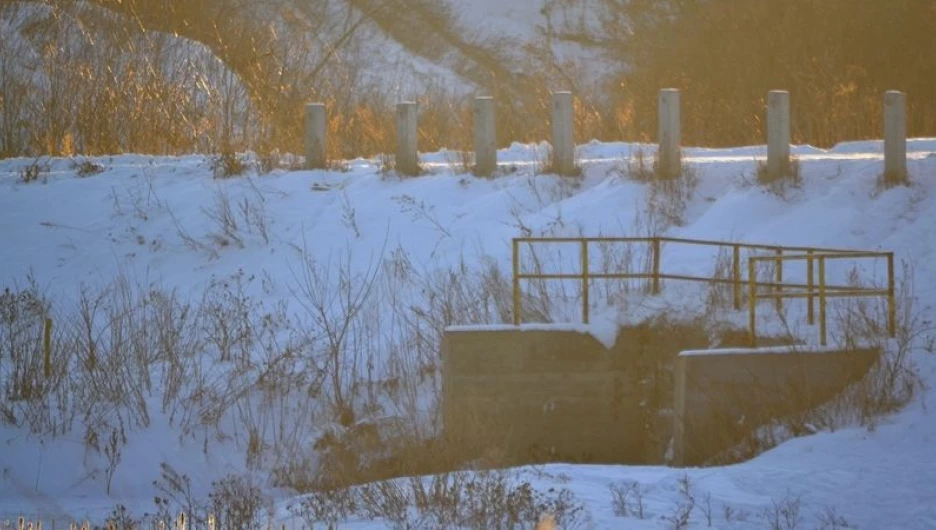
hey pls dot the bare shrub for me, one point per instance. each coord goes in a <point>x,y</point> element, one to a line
<point>894,379</point>
<point>223,215</point>
<point>176,496</point>
<point>228,164</point>
<point>682,514</point>
<point>121,518</point>
<point>784,514</point>
<point>627,498</point>
<point>237,503</point>
<point>190,241</point>
<point>491,499</point>
<point>349,216</point>
<point>336,299</point>
<point>419,210</point>
<point>113,450</point>
<point>86,168</point>
<point>33,171</point>
<point>327,507</point>
<point>790,178</point>
<point>720,294</point>
<point>34,374</point>
<point>622,258</point>
<point>545,164</point>
<point>23,314</point>
<point>114,339</point>
<point>253,213</point>
<point>668,199</point>
<point>707,509</point>
<point>639,167</point>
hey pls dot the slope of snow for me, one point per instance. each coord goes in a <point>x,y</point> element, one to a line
<point>135,217</point>
<point>500,17</point>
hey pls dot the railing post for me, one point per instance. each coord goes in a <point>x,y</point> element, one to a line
<point>668,156</point>
<point>891,297</point>
<point>407,157</point>
<point>778,134</point>
<point>810,299</point>
<point>822,302</point>
<point>736,275</point>
<point>895,138</point>
<point>316,135</point>
<point>778,289</point>
<point>485,137</point>
<point>585,281</point>
<point>752,301</point>
<point>655,289</point>
<point>563,139</point>
<point>516,282</point>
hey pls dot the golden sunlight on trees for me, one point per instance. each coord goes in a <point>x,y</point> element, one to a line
<point>836,57</point>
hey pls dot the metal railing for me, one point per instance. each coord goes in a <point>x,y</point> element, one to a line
<point>811,290</point>
<point>820,289</point>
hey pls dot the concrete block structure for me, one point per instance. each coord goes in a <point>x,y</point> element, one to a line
<point>721,396</point>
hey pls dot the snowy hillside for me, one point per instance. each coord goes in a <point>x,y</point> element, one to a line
<point>295,251</point>
<point>520,18</point>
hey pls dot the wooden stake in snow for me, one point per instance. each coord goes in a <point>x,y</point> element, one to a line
<point>407,158</point>
<point>485,137</point>
<point>895,138</point>
<point>315,135</point>
<point>563,143</point>
<point>669,160</point>
<point>778,134</point>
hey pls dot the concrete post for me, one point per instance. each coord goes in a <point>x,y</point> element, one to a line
<point>895,137</point>
<point>778,134</point>
<point>563,143</point>
<point>485,137</point>
<point>407,158</point>
<point>316,128</point>
<point>668,156</point>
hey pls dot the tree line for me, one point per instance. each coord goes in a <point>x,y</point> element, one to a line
<point>175,76</point>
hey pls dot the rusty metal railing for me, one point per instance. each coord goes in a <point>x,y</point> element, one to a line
<point>779,255</point>
<point>820,289</point>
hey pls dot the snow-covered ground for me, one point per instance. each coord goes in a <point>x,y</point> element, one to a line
<point>512,17</point>
<point>155,220</point>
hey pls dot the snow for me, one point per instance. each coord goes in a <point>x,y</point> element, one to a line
<point>499,17</point>
<point>129,220</point>
<point>605,331</point>
<point>754,351</point>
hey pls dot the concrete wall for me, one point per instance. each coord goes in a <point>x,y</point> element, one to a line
<point>540,394</point>
<point>723,395</point>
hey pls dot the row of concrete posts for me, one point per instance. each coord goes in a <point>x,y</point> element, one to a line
<point>563,145</point>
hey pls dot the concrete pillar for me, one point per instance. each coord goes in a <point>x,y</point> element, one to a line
<point>485,137</point>
<point>563,143</point>
<point>668,156</point>
<point>778,134</point>
<point>316,129</point>
<point>895,137</point>
<point>407,158</point>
